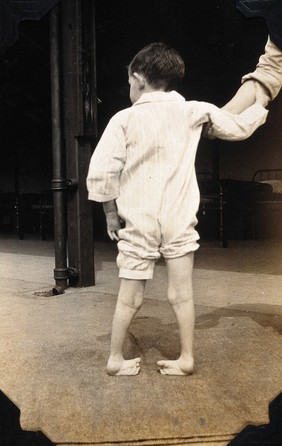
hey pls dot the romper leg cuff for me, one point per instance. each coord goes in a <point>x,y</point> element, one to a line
<point>135,274</point>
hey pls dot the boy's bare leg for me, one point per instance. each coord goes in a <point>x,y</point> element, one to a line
<point>130,298</point>
<point>180,295</point>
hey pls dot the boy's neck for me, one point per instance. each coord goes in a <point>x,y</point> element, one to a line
<point>149,89</point>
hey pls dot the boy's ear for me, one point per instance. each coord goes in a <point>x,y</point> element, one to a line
<point>140,80</point>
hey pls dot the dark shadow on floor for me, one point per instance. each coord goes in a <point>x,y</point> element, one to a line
<point>11,433</point>
<point>264,435</point>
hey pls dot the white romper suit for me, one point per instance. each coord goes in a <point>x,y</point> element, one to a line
<point>145,160</point>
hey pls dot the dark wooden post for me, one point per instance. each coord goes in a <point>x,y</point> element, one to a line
<point>59,185</point>
<point>79,105</point>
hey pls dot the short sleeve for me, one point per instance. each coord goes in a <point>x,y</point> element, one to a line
<point>107,163</point>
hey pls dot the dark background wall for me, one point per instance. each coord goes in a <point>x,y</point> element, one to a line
<point>218,45</point>
<point>25,123</point>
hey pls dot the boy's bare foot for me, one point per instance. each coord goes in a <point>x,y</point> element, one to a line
<point>177,367</point>
<point>123,367</point>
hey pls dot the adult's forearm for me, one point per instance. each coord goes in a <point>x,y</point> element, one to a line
<point>244,98</point>
<point>267,76</point>
<point>268,70</point>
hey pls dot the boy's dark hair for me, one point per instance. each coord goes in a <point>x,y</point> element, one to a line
<point>161,65</point>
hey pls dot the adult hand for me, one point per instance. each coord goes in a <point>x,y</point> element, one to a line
<point>262,95</point>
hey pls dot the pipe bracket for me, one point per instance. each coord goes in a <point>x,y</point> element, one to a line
<point>72,183</point>
<point>65,273</point>
<point>59,184</point>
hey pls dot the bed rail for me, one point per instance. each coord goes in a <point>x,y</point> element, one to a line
<point>267,174</point>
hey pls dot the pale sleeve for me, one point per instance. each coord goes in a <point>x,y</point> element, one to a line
<point>268,70</point>
<point>234,127</point>
<point>107,163</point>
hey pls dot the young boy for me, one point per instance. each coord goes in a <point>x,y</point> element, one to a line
<point>143,172</point>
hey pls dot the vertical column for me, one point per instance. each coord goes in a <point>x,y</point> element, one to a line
<point>61,272</point>
<point>79,99</point>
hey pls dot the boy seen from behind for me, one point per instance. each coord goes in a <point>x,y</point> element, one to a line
<point>143,171</point>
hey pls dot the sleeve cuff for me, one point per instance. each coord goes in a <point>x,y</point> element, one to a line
<point>101,198</point>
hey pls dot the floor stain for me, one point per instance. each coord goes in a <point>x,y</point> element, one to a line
<point>264,315</point>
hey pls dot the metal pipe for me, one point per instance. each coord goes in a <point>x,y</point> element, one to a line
<point>59,183</point>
